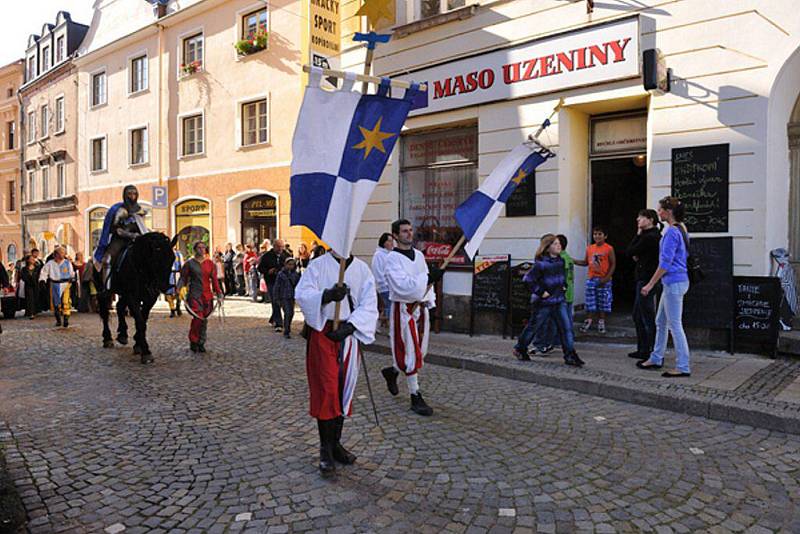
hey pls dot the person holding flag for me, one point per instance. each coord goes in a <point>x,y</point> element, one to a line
<point>411,295</point>
<point>341,144</point>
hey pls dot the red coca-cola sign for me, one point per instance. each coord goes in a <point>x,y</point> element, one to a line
<point>438,252</point>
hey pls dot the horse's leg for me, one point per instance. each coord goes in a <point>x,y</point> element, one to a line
<point>104,309</point>
<point>147,305</point>
<point>135,307</point>
<point>122,324</point>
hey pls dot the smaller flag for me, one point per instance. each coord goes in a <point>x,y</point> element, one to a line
<point>477,214</point>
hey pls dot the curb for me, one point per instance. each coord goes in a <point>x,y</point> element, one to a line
<point>742,411</point>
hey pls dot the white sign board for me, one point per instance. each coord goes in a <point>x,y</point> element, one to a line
<point>624,134</point>
<point>589,56</point>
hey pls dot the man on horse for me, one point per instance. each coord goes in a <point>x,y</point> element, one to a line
<point>123,223</point>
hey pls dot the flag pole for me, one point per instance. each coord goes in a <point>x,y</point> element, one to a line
<point>340,283</point>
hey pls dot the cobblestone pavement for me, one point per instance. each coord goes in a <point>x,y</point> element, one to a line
<point>222,442</point>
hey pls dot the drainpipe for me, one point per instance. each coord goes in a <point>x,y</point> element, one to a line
<point>22,175</point>
<point>160,101</point>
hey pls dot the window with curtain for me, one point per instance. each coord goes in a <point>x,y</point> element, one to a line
<point>138,146</point>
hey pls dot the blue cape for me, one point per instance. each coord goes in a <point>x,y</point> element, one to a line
<point>105,235</point>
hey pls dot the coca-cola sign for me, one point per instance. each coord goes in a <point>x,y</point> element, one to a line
<point>438,252</point>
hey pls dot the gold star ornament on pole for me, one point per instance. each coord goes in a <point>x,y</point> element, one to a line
<point>380,13</point>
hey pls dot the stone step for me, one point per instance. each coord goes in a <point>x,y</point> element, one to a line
<point>789,343</point>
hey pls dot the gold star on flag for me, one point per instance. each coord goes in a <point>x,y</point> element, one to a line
<point>373,139</point>
<point>377,11</point>
<point>521,175</point>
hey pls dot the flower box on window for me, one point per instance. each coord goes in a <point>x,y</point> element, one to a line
<point>190,68</point>
<point>255,42</point>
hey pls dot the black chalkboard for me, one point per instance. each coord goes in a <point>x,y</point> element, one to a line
<point>490,286</point>
<point>700,180</point>
<point>520,298</point>
<point>522,202</point>
<point>757,301</point>
<point>709,303</point>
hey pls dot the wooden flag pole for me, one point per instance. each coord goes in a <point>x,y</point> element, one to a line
<point>399,84</point>
<point>340,283</point>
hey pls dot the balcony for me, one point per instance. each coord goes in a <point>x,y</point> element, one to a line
<point>51,205</point>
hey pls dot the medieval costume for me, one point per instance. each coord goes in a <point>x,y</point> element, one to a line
<point>199,277</point>
<point>59,274</point>
<point>332,355</point>
<point>409,321</point>
<point>122,224</point>
<point>171,295</point>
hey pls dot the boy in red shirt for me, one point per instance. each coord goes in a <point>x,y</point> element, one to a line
<point>602,262</point>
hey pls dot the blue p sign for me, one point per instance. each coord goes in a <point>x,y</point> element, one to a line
<point>159,196</point>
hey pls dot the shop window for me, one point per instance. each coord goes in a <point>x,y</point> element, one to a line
<point>439,170</point>
<point>192,224</point>
<point>11,253</point>
<point>259,219</point>
<point>96,217</point>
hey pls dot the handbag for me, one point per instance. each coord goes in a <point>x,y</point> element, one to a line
<point>694,265</point>
<point>262,286</point>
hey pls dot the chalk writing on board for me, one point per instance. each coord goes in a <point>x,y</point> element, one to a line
<point>700,179</point>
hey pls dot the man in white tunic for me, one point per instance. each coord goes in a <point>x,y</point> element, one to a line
<point>411,294</point>
<point>332,355</point>
<point>385,246</point>
<point>58,273</point>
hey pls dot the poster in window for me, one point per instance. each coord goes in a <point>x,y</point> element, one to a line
<point>439,171</point>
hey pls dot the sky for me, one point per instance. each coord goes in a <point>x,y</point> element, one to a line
<point>29,17</point>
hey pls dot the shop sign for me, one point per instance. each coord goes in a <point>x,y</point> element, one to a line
<point>325,21</point>
<point>588,56</point>
<point>98,214</point>
<point>624,134</point>
<point>192,207</point>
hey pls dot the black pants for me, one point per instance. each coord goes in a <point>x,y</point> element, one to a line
<point>240,287</point>
<point>287,306</point>
<point>275,318</point>
<point>644,317</point>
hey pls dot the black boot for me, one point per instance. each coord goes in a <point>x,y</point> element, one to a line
<point>340,454</point>
<point>58,318</point>
<point>171,314</point>
<point>390,374</point>
<point>327,435</point>
<point>66,321</point>
<point>194,347</point>
<point>419,406</point>
<point>571,358</point>
<point>201,347</point>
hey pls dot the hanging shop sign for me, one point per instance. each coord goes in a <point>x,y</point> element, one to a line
<point>593,55</point>
<point>619,135</point>
<point>326,30</point>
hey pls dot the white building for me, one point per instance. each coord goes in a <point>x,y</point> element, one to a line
<point>498,68</point>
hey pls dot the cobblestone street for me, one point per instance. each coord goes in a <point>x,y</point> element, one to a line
<point>221,442</point>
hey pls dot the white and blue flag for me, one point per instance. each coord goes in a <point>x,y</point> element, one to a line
<point>477,214</point>
<point>341,144</point>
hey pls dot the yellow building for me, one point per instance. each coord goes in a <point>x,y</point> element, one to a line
<point>201,100</point>
<point>10,233</point>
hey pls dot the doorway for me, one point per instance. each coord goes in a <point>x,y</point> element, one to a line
<point>259,219</point>
<point>619,191</point>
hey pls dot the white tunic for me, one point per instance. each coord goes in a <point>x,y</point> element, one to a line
<point>408,280</point>
<point>378,266</point>
<point>322,274</point>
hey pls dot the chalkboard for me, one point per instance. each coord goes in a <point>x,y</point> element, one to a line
<point>520,298</point>
<point>757,301</point>
<point>490,287</point>
<point>522,202</point>
<point>700,180</point>
<point>709,303</point>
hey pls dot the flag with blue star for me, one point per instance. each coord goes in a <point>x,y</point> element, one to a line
<point>477,214</point>
<point>341,144</point>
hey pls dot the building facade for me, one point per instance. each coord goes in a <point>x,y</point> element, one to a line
<point>725,137</point>
<point>50,136</point>
<point>11,77</point>
<point>200,98</point>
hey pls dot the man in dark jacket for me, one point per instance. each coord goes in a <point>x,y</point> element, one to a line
<point>269,265</point>
<point>644,251</point>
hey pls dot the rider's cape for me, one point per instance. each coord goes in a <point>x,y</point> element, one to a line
<point>115,213</point>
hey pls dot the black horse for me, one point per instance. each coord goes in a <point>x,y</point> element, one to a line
<point>141,275</point>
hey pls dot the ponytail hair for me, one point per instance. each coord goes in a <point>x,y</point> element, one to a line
<point>674,205</point>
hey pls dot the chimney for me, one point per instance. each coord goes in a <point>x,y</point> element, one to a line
<point>161,8</point>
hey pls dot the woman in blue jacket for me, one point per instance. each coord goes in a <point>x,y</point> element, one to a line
<point>674,276</point>
<point>548,282</point>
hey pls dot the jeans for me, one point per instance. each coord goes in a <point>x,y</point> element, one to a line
<point>644,317</point>
<point>549,334</point>
<point>287,305</point>
<point>668,319</point>
<point>542,314</point>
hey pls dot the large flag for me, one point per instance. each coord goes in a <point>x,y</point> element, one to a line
<point>341,144</point>
<point>477,214</point>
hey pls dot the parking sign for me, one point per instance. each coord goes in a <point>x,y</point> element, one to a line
<point>159,196</point>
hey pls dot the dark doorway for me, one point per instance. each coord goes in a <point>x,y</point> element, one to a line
<point>619,191</point>
<point>259,219</point>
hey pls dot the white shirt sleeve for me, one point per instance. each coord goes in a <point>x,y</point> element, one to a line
<point>308,295</point>
<point>365,314</point>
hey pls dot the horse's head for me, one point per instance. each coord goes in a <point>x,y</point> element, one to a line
<point>153,255</point>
